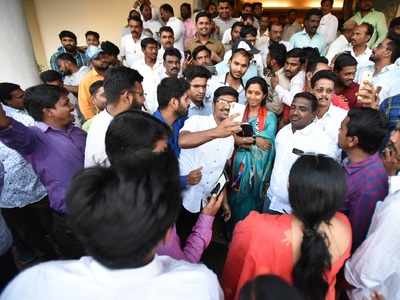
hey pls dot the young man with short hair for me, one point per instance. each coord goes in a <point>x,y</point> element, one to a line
<point>329,116</point>
<point>197,77</point>
<point>92,38</point>
<point>309,37</point>
<point>203,37</point>
<point>69,45</point>
<point>292,27</point>
<point>231,35</point>
<point>201,56</point>
<point>302,135</point>
<point>144,198</point>
<point>123,90</point>
<point>345,67</point>
<point>73,74</point>
<point>238,65</point>
<point>99,100</point>
<point>224,20</point>
<point>148,21</point>
<point>151,70</point>
<point>190,27</point>
<point>361,135</point>
<point>54,147</point>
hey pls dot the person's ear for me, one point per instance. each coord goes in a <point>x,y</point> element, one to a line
<point>352,141</point>
<point>174,102</point>
<point>47,113</point>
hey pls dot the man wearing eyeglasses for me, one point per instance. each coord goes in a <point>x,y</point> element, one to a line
<point>123,90</point>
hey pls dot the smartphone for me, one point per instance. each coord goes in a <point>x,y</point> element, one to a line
<point>237,108</point>
<point>366,76</point>
<point>297,151</point>
<point>247,130</point>
<point>218,188</point>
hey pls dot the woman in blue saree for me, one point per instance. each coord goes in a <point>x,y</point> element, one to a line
<point>254,156</point>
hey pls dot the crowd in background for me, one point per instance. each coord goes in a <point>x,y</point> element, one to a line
<point>267,145</point>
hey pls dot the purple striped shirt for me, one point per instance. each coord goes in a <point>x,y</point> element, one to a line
<point>367,183</point>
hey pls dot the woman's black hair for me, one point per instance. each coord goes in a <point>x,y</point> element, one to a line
<point>263,85</point>
<point>317,189</point>
<point>268,287</point>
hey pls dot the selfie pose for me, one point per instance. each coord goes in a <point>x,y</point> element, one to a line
<point>255,152</point>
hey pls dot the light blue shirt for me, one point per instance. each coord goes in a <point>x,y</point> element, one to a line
<point>204,110</point>
<point>302,39</point>
<point>21,184</point>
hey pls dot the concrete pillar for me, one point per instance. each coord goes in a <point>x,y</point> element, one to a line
<point>17,59</point>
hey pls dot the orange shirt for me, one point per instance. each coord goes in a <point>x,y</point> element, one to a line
<point>261,244</point>
<point>86,106</point>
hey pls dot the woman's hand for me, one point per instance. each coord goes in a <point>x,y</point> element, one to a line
<point>244,142</point>
<point>263,144</point>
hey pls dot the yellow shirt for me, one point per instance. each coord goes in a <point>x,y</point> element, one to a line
<point>86,106</point>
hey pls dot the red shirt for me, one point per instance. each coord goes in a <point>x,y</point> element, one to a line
<point>350,94</point>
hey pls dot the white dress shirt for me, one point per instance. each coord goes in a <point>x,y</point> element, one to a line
<point>153,25</point>
<point>211,156</point>
<point>131,50</point>
<point>330,124</point>
<point>328,28</point>
<point>296,86</point>
<point>339,45</point>
<point>217,81</point>
<point>387,79</point>
<point>163,278</point>
<point>375,266</point>
<point>310,139</point>
<point>95,151</point>
<point>362,59</point>
<point>151,79</point>
<point>179,32</point>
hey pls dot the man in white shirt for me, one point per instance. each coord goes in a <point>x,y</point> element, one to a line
<point>124,91</point>
<point>292,27</point>
<point>207,143</point>
<point>73,74</point>
<point>151,70</point>
<point>342,43</point>
<point>167,40</point>
<point>275,31</point>
<point>167,15</point>
<point>148,22</point>
<point>224,19</point>
<point>328,26</point>
<point>301,136</point>
<point>329,116</point>
<point>359,41</point>
<point>238,65</point>
<point>131,50</point>
<point>386,72</point>
<point>121,232</point>
<point>375,266</point>
<point>294,72</point>
<point>197,77</point>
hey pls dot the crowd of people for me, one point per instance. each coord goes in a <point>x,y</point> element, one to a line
<point>277,136</point>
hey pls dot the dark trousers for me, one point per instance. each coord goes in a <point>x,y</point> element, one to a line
<point>67,243</point>
<point>31,228</point>
<point>8,269</point>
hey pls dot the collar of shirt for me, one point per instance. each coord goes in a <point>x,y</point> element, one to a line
<point>11,111</point>
<point>358,14</point>
<point>352,168</point>
<point>210,40</point>
<point>308,130</point>
<point>45,127</point>
<point>222,80</point>
<point>388,68</point>
<point>367,51</point>
<point>316,35</point>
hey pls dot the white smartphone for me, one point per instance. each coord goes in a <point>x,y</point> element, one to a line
<point>237,108</point>
<point>366,76</point>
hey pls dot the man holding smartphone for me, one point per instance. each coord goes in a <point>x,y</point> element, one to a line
<point>207,142</point>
